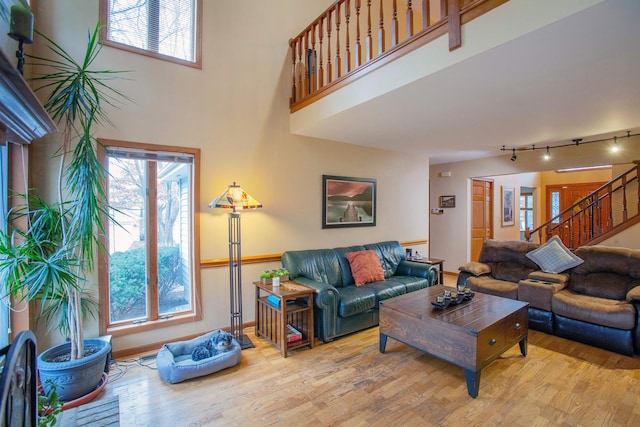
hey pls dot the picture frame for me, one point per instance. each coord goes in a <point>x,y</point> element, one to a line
<point>348,202</point>
<point>508,205</point>
<point>447,201</point>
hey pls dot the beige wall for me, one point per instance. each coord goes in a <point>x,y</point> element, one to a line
<point>236,110</point>
<point>449,233</point>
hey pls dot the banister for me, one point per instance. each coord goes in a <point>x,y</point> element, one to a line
<point>607,199</point>
<point>317,71</point>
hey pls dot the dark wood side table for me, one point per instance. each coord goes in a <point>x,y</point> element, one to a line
<point>294,307</point>
<point>433,261</point>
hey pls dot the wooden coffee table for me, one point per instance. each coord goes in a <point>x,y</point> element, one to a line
<point>471,334</point>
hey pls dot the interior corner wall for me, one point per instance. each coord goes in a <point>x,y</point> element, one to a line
<point>450,236</point>
<point>236,110</point>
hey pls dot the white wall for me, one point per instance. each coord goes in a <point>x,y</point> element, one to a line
<point>236,110</point>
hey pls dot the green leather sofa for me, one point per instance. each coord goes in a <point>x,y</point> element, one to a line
<point>341,307</point>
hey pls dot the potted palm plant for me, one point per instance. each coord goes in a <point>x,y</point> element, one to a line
<point>48,249</point>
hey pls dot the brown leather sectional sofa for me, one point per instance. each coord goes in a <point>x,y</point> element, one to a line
<point>596,302</point>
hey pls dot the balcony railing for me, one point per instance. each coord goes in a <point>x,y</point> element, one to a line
<point>353,37</point>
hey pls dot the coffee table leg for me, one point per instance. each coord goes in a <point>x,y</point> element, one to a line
<point>383,342</point>
<point>473,382</point>
<point>523,346</point>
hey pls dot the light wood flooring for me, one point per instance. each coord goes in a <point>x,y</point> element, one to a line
<point>348,382</point>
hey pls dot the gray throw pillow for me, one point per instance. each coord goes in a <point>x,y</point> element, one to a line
<point>554,257</point>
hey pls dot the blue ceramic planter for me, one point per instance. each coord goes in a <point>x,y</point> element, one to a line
<point>74,378</point>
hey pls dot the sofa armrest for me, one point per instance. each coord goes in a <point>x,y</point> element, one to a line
<point>326,307</point>
<point>418,269</point>
<point>475,268</point>
<point>633,295</point>
<point>560,278</point>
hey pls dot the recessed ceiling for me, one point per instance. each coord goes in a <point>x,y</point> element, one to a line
<point>576,78</point>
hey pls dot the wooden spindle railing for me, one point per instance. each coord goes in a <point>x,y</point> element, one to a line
<point>328,53</point>
<point>597,216</point>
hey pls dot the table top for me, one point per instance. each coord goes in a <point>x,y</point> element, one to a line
<point>425,260</point>
<point>288,289</point>
<point>472,316</point>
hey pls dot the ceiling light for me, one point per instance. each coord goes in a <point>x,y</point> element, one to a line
<point>615,148</point>
<point>514,157</point>
<point>547,155</point>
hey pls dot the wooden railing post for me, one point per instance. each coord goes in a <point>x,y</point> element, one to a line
<point>292,46</point>
<point>426,14</point>
<point>329,68</point>
<point>369,42</point>
<point>409,19</point>
<point>381,35</point>
<point>358,52</point>
<point>338,63</point>
<point>320,58</point>
<point>455,31</point>
<point>394,24</point>
<point>347,50</point>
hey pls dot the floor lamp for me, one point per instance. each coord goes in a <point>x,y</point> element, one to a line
<point>237,199</point>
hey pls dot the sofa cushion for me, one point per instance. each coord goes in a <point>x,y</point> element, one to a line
<point>607,272</point>
<point>390,254</point>
<point>475,268</point>
<point>600,311</point>
<point>554,257</point>
<point>386,289</point>
<point>355,299</point>
<point>365,267</point>
<point>347,277</point>
<point>319,265</point>
<point>412,283</point>
<point>509,271</point>
<point>491,286</point>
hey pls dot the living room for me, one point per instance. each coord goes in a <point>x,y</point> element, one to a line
<point>235,110</point>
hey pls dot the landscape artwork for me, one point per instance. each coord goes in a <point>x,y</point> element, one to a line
<point>348,202</point>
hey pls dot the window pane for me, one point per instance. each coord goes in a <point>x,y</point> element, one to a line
<point>555,205</point>
<point>174,236</point>
<point>128,265</point>
<point>163,26</point>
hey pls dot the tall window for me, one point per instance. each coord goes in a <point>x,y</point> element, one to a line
<point>167,29</point>
<point>4,183</point>
<point>153,267</point>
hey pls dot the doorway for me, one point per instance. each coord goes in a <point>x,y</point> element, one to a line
<point>481,214</point>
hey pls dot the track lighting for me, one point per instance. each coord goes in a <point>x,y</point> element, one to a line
<point>575,142</point>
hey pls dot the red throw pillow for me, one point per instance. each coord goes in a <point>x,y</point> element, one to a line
<point>365,267</point>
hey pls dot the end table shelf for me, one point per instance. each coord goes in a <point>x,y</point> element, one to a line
<point>288,304</point>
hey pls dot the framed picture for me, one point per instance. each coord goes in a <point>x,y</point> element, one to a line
<point>348,202</point>
<point>447,201</point>
<point>508,194</point>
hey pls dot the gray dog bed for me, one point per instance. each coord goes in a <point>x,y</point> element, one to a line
<point>175,363</point>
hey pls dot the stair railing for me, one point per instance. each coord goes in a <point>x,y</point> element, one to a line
<point>598,215</point>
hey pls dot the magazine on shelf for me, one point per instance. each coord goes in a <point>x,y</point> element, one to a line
<point>293,335</point>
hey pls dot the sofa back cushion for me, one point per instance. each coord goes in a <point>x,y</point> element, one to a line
<point>321,265</point>
<point>507,259</point>
<point>390,254</point>
<point>606,272</point>
<point>341,253</point>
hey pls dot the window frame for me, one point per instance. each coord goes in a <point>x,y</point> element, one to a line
<point>120,329</point>
<point>104,19</point>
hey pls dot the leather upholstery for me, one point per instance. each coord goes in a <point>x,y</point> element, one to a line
<point>341,307</point>
<point>595,302</point>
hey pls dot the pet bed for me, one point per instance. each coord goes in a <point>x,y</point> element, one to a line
<point>175,364</point>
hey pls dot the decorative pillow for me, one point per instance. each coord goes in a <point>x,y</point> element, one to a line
<point>554,257</point>
<point>475,268</point>
<point>365,267</point>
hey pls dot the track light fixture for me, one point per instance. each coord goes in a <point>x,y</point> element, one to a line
<point>577,142</point>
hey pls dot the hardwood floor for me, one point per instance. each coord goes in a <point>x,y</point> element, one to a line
<point>348,382</point>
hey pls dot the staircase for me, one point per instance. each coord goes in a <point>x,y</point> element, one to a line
<point>610,209</point>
